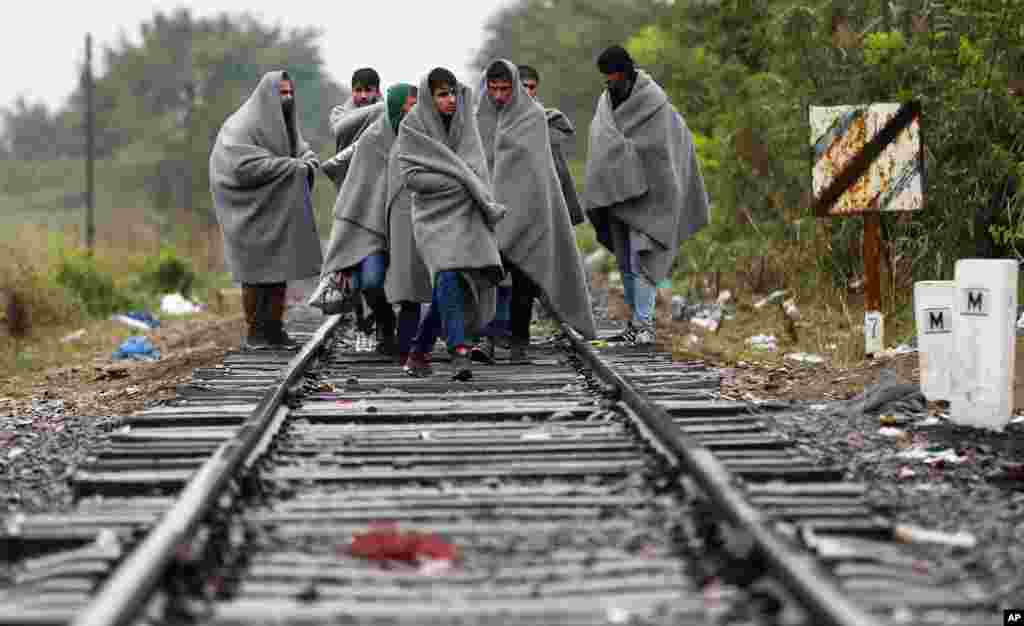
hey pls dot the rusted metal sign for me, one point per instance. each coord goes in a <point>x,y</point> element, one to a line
<point>867,158</point>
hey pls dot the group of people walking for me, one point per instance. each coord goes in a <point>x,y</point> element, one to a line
<point>456,206</point>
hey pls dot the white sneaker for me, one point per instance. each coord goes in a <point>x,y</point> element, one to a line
<point>643,335</point>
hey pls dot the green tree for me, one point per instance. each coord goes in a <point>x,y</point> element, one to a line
<point>562,40</point>
<point>31,131</point>
<point>161,102</point>
<point>744,72</point>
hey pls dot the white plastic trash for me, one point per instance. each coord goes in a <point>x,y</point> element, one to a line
<point>176,304</point>
<point>984,340</point>
<point>933,310</point>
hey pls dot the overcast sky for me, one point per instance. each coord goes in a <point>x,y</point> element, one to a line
<point>401,39</point>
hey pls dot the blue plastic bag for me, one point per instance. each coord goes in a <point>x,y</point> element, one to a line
<point>137,348</point>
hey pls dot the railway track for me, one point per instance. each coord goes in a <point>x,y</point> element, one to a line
<point>591,486</point>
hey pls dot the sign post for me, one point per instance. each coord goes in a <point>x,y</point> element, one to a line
<point>868,159</point>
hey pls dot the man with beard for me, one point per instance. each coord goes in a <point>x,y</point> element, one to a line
<point>644,192</point>
<point>357,256</point>
<point>536,238</point>
<point>442,162</point>
<point>350,119</point>
<point>261,176</point>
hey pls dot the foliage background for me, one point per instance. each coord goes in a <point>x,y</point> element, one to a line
<point>742,72</point>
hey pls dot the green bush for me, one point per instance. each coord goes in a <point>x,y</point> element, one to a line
<point>586,238</point>
<point>95,291</point>
<point>167,273</point>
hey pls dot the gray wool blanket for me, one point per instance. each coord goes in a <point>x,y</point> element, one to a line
<point>360,225</point>
<point>453,207</point>
<point>348,123</point>
<point>643,181</point>
<point>261,192</point>
<point>536,234</point>
<point>407,279</point>
<point>562,131</point>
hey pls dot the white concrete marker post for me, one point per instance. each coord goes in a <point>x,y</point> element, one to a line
<point>933,309</point>
<point>874,332</point>
<point>984,340</point>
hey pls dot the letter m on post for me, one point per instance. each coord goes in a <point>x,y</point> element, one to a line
<point>975,302</point>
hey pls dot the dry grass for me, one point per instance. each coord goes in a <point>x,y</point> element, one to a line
<point>831,319</point>
<point>21,362</point>
<point>29,254</point>
<point>832,329</point>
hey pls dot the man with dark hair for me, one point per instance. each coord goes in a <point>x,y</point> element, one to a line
<point>561,131</point>
<point>644,191</point>
<point>350,119</point>
<point>531,80</point>
<point>442,161</point>
<point>365,86</point>
<point>357,256</point>
<point>537,242</point>
<point>261,175</point>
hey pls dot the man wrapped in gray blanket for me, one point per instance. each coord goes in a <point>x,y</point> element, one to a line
<point>362,236</point>
<point>536,237</point>
<point>561,130</point>
<point>349,119</point>
<point>261,175</point>
<point>441,158</point>
<point>644,192</point>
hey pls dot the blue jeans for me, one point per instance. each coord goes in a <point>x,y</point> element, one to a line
<point>639,292</point>
<point>370,272</point>
<point>447,311</point>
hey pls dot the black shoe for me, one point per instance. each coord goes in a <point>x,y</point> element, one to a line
<point>277,338</point>
<point>461,365</point>
<point>483,352</point>
<point>387,345</point>
<point>256,341</point>
<point>517,354</point>
<point>627,336</point>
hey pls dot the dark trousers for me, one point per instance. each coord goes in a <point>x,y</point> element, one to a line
<point>524,290</point>
<point>369,277</point>
<point>408,323</point>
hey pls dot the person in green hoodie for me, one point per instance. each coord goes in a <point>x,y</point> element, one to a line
<point>357,256</point>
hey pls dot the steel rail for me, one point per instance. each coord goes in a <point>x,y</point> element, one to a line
<point>125,593</point>
<point>801,574</point>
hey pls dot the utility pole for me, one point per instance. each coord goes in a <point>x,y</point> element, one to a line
<point>90,150</point>
<point>189,89</point>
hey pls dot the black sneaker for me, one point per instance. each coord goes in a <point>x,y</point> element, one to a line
<point>627,336</point>
<point>483,352</point>
<point>277,338</point>
<point>461,365</point>
<point>517,354</point>
<point>256,341</point>
<point>387,344</point>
